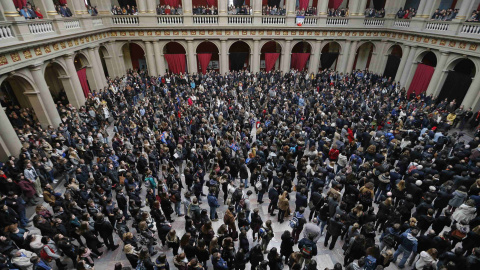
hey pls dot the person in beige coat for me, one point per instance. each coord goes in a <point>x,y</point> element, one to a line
<point>283,206</point>
<point>21,259</point>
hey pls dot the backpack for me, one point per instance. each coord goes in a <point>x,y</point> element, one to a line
<point>370,263</point>
<point>237,195</point>
<point>293,149</point>
<point>294,222</point>
<point>44,255</point>
<point>307,250</point>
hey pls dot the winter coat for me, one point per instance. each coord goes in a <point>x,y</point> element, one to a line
<point>458,198</point>
<point>283,204</point>
<point>464,213</point>
<point>425,260</point>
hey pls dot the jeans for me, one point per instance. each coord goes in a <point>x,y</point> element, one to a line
<point>379,194</point>
<point>406,254</point>
<point>178,207</point>
<point>260,196</point>
<point>247,215</point>
<point>244,181</point>
<point>213,212</point>
<point>322,224</point>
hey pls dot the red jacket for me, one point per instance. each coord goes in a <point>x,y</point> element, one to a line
<point>333,154</point>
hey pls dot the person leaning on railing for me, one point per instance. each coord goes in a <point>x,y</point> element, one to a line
<point>474,17</point>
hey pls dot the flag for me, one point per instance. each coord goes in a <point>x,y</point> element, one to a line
<point>234,147</point>
<point>163,137</point>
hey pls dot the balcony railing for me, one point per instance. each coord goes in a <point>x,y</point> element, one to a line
<point>5,32</point>
<point>97,22</point>
<point>205,19</point>
<point>437,26</point>
<point>75,24</point>
<point>401,23</point>
<point>240,19</point>
<point>337,21</point>
<point>470,28</point>
<point>310,21</point>
<point>41,28</point>
<point>273,20</point>
<point>125,19</point>
<point>165,19</point>
<point>374,22</point>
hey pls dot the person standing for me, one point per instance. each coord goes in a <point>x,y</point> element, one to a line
<point>31,174</point>
<point>408,244</point>
<point>213,204</point>
<point>308,249</point>
<point>334,230</point>
<point>297,223</point>
<point>273,196</point>
<point>105,229</point>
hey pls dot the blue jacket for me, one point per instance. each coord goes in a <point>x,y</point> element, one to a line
<point>212,201</point>
<point>409,242</point>
<point>219,264</point>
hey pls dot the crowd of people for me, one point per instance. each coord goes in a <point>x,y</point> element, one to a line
<point>205,10</point>
<point>240,10</point>
<point>168,10</point>
<point>310,11</point>
<point>274,10</point>
<point>341,12</point>
<point>346,156</point>
<point>444,14</point>
<point>30,12</point>
<point>407,13</point>
<point>474,17</point>
<point>126,10</point>
<point>373,13</point>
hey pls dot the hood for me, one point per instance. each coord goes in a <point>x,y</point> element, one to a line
<point>411,237</point>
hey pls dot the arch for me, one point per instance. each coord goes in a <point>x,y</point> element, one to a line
<point>174,47</point>
<point>58,82</point>
<point>396,50</point>
<point>300,59</point>
<point>363,55</point>
<point>394,56</point>
<point>239,55</point>
<point>270,47</point>
<point>365,43</point>
<point>329,55</point>
<point>460,74</point>
<point>302,47</point>
<point>106,61</point>
<point>212,48</point>
<point>134,55</point>
<point>427,57</point>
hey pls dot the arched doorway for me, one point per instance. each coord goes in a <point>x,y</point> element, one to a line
<point>208,57</point>
<point>270,56</point>
<point>393,61</point>
<point>85,73</point>
<point>58,82</point>
<point>134,56</point>
<point>174,54</point>
<point>300,55</point>
<point>329,56</point>
<point>458,80</point>
<point>423,73</point>
<point>363,56</point>
<point>106,61</point>
<point>239,55</point>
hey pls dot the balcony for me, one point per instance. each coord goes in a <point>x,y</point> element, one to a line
<point>72,24</point>
<point>240,19</point>
<point>310,21</point>
<point>41,27</point>
<point>125,20</point>
<point>337,21</point>
<point>6,32</point>
<point>276,20</point>
<point>170,20</point>
<point>401,23</point>
<point>437,26</point>
<point>205,19</point>
<point>374,22</point>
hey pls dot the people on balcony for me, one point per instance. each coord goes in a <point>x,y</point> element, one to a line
<point>373,13</point>
<point>240,10</point>
<point>26,14</point>
<point>273,10</point>
<point>344,12</point>
<point>444,15</point>
<point>65,11</point>
<point>205,10</point>
<point>127,10</point>
<point>474,17</point>
<point>38,13</point>
<point>311,11</point>
<point>92,10</point>
<point>169,10</point>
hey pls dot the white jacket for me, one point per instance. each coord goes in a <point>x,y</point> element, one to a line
<point>464,213</point>
<point>425,260</point>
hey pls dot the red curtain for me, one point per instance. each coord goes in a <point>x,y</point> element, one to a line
<point>421,79</point>
<point>20,3</point>
<point>203,60</point>
<point>62,2</point>
<point>204,3</point>
<point>247,2</point>
<point>172,3</point>
<point>176,63</point>
<point>303,4</point>
<point>82,76</point>
<point>299,60</point>
<point>211,3</point>
<point>270,60</point>
<point>334,3</point>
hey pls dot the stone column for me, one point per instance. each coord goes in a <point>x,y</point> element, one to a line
<point>151,6</point>
<point>361,7</point>
<point>421,7</point>
<point>291,6</point>
<point>464,10</point>
<point>427,12</point>
<point>50,9</point>
<point>160,62</point>
<point>11,145</point>
<point>192,58</point>
<point>96,70</point>
<point>49,106</point>
<point>79,8</point>
<point>142,6</point>
<point>287,56</point>
<point>473,94</point>
<point>315,57</point>
<point>345,56</point>
<point>222,7</point>
<point>408,65</point>
<point>322,7</point>
<point>353,7</point>
<point>223,57</point>
<point>378,62</point>
<point>392,6</point>
<point>403,61</point>
<point>72,73</point>
<point>351,57</point>
<point>102,76</point>
<point>9,10</point>
<point>256,56</point>
<point>434,82</point>
<point>187,12</point>
<point>152,67</point>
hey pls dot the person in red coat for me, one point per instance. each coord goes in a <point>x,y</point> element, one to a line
<point>333,153</point>
<point>39,15</point>
<point>28,189</point>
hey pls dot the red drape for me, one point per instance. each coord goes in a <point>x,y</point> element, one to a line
<point>176,63</point>
<point>264,2</point>
<point>172,3</point>
<point>247,2</point>
<point>203,60</point>
<point>303,4</point>
<point>334,3</point>
<point>211,3</point>
<point>299,60</point>
<point>421,79</point>
<point>82,76</point>
<point>20,3</point>
<point>62,2</point>
<point>270,60</point>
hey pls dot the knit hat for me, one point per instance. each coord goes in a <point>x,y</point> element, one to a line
<point>418,182</point>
